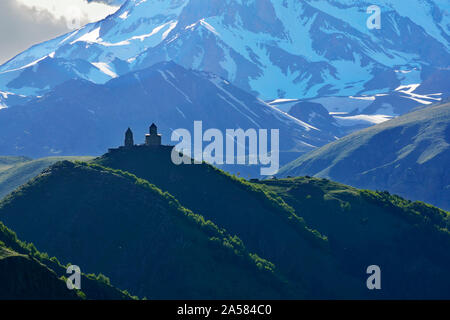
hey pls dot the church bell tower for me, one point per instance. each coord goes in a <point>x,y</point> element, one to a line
<point>129,141</point>
<point>153,139</point>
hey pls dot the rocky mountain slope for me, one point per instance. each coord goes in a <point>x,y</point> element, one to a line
<point>408,156</point>
<point>312,48</point>
<point>80,117</point>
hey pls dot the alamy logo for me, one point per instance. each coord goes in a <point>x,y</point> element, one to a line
<point>74,281</point>
<point>374,21</point>
<point>374,281</point>
<point>234,142</point>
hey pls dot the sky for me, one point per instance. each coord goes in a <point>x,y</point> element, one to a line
<point>24,23</point>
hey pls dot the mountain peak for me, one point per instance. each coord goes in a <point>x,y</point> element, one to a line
<point>313,48</point>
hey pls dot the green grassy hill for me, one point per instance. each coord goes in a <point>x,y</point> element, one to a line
<point>409,156</point>
<point>280,227</point>
<point>262,220</point>
<point>27,274</point>
<point>130,214</point>
<point>142,238</point>
<point>6,162</point>
<point>25,278</point>
<point>15,171</point>
<point>408,240</point>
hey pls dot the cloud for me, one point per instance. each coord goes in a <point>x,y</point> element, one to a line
<point>72,9</point>
<point>111,2</point>
<point>24,23</point>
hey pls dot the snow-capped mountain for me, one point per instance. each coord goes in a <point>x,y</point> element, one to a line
<point>393,103</point>
<point>273,48</point>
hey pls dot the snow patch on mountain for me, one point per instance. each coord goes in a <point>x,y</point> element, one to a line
<point>427,99</point>
<point>105,68</point>
<point>362,119</point>
<point>275,49</point>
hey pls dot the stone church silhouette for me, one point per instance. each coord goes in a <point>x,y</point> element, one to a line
<point>152,139</point>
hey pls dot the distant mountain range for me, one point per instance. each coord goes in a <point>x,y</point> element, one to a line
<point>291,238</point>
<point>82,118</point>
<point>173,62</point>
<point>409,156</point>
<point>311,69</point>
<point>310,48</point>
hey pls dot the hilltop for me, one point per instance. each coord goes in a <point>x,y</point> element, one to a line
<point>82,118</point>
<point>276,222</point>
<point>142,238</point>
<point>408,155</point>
<point>408,240</point>
<point>16,171</point>
<point>194,231</point>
